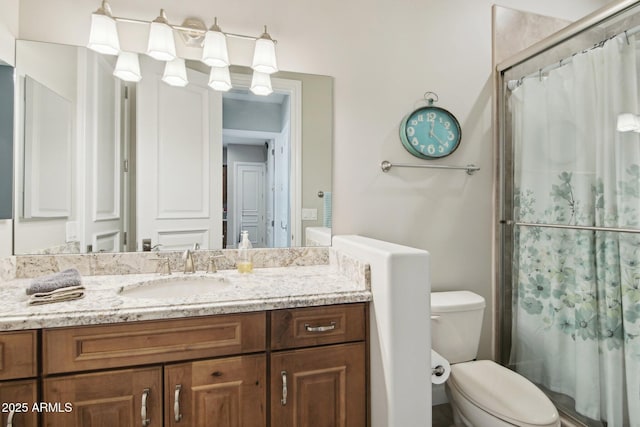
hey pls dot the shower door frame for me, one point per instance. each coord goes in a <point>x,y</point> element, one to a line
<point>504,167</point>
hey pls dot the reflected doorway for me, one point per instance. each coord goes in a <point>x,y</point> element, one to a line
<point>257,155</point>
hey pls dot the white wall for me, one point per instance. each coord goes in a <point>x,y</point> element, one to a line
<point>384,56</point>
<point>8,30</point>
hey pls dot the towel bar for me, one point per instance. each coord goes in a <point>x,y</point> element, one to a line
<point>387,165</point>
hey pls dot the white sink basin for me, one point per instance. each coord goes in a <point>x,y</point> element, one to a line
<point>175,287</point>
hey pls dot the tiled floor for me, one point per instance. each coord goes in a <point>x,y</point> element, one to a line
<point>441,416</point>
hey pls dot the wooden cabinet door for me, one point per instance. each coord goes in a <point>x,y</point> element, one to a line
<point>123,398</point>
<point>18,355</point>
<point>228,392</point>
<point>17,399</point>
<point>319,387</point>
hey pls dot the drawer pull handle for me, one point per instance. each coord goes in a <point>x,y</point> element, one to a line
<point>329,327</point>
<point>176,404</point>
<point>143,412</point>
<point>283,401</point>
<point>10,419</point>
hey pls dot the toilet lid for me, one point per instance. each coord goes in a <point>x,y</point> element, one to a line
<point>503,393</point>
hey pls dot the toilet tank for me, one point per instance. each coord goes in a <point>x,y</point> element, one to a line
<point>456,322</point>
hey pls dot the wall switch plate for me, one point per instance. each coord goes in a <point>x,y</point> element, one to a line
<point>309,214</point>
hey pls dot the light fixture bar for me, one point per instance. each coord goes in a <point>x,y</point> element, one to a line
<point>188,29</point>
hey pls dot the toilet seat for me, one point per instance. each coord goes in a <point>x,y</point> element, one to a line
<point>503,393</point>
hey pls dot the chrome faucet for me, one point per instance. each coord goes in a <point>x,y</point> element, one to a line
<point>187,257</point>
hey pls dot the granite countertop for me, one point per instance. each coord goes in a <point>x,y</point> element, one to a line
<point>264,289</point>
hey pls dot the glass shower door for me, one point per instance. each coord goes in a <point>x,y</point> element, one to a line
<point>571,234</point>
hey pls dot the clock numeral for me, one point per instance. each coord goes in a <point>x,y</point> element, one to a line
<point>421,118</point>
<point>415,142</point>
<point>441,149</point>
<point>410,131</point>
<point>451,136</point>
<point>431,117</point>
<point>447,125</point>
<point>414,122</point>
<point>431,149</point>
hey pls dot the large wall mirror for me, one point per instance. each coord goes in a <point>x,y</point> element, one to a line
<point>109,166</point>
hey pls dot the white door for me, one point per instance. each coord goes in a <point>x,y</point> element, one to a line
<point>103,213</point>
<point>179,161</point>
<point>249,179</point>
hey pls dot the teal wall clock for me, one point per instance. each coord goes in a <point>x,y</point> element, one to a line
<point>430,132</point>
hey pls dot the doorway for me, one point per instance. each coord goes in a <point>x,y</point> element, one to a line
<point>257,131</point>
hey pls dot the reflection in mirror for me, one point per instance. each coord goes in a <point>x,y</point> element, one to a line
<point>47,152</point>
<point>157,167</point>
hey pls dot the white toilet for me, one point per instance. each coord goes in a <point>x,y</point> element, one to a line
<point>482,393</point>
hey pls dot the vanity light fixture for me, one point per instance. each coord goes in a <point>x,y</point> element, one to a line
<point>128,67</point>
<point>628,122</point>
<point>103,37</point>
<point>161,46</point>
<point>220,79</point>
<point>214,51</point>
<point>175,73</point>
<point>261,83</point>
<point>264,54</point>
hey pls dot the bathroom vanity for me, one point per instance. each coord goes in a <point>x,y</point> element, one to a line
<point>276,348</point>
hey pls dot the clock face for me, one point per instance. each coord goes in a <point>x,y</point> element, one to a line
<point>430,133</point>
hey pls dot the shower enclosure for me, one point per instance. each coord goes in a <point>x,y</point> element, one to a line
<point>569,216</point>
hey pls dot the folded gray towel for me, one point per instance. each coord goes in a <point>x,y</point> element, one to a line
<point>63,279</point>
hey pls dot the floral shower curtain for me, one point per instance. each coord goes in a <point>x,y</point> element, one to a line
<point>576,313</point>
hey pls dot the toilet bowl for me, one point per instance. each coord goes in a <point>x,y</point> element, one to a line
<point>481,392</point>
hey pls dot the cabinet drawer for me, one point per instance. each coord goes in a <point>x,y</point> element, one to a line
<point>304,327</point>
<point>109,346</point>
<point>18,355</point>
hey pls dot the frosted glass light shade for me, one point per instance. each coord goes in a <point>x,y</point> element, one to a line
<point>628,122</point>
<point>214,52</point>
<point>220,79</point>
<point>103,36</point>
<point>162,45</point>
<point>128,67</point>
<point>264,56</point>
<point>175,73</point>
<point>261,83</point>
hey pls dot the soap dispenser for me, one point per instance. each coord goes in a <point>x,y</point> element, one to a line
<point>244,263</point>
